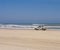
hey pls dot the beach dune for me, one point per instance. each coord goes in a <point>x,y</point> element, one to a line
<point>29,40</point>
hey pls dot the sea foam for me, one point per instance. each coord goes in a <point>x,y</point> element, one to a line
<point>16,26</point>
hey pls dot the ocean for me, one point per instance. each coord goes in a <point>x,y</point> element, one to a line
<point>29,26</point>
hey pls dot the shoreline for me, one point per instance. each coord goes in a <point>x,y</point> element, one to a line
<point>30,29</point>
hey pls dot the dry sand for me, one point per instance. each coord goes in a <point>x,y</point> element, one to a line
<point>29,40</point>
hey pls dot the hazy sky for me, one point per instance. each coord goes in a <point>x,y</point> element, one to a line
<point>29,11</point>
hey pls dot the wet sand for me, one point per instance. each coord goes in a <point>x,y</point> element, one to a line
<point>29,40</point>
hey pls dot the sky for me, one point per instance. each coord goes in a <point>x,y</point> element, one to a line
<point>29,11</point>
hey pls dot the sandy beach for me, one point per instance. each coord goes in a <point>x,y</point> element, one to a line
<point>29,40</point>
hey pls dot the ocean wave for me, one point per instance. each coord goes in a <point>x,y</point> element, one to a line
<point>13,26</point>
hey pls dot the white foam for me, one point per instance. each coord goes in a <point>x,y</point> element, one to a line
<point>13,26</point>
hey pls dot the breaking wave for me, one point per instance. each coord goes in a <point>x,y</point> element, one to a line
<point>13,26</point>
